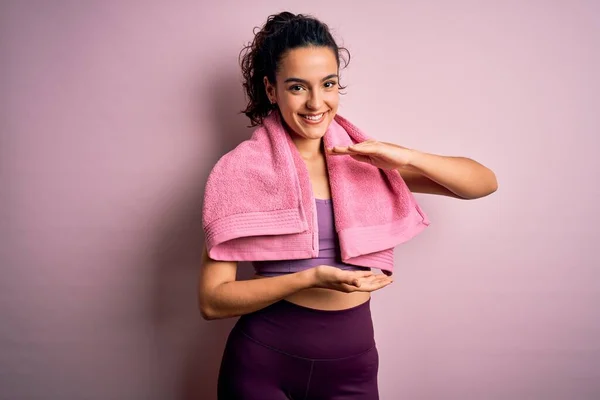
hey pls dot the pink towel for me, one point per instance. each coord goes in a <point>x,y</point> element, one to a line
<point>259,205</point>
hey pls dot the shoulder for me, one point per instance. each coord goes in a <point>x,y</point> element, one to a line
<point>241,161</point>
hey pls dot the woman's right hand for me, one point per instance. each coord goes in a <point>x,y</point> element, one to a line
<point>329,277</point>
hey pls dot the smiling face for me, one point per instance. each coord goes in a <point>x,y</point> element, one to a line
<point>306,90</point>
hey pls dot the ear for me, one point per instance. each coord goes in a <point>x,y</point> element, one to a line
<point>270,89</point>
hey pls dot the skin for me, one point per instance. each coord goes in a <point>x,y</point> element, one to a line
<point>306,83</point>
<point>316,92</point>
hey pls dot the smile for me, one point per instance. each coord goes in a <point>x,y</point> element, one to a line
<point>313,119</point>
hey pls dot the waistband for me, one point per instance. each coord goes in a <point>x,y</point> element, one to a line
<point>311,333</point>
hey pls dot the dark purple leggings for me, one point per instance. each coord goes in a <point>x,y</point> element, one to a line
<point>287,351</point>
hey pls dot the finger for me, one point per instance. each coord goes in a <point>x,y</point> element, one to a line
<point>344,148</point>
<point>338,150</point>
<point>364,148</point>
<point>364,143</point>
<point>348,288</point>
<point>353,277</point>
<point>375,277</point>
<point>364,276</point>
<point>383,282</point>
<point>351,280</point>
<point>373,287</point>
<point>376,282</point>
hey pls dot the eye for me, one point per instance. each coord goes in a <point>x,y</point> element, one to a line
<point>331,84</point>
<point>295,88</point>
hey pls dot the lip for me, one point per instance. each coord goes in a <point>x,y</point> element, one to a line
<point>309,122</point>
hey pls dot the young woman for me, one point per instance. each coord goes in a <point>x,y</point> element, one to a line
<point>307,333</point>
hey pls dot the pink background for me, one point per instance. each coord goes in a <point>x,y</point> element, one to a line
<point>113,113</point>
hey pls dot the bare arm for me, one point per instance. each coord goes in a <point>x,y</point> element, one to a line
<point>459,177</point>
<point>221,296</point>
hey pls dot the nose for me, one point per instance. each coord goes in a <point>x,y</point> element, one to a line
<point>315,101</point>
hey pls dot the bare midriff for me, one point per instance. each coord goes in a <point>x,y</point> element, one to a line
<point>319,298</point>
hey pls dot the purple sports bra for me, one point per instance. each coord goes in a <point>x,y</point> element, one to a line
<point>329,249</point>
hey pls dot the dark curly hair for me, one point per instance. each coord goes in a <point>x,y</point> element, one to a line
<point>281,33</point>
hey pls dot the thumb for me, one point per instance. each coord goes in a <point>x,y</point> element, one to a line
<point>358,277</point>
<point>353,280</point>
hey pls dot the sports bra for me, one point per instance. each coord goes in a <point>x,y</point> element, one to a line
<point>329,249</point>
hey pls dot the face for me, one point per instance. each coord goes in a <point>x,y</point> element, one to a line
<point>306,90</point>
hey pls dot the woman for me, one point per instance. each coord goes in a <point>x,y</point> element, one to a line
<point>307,333</point>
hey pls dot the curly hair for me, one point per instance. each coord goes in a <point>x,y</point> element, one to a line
<point>281,33</point>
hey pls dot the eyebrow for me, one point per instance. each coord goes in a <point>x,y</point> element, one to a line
<point>306,82</point>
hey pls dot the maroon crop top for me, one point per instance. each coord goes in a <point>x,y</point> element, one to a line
<point>329,249</point>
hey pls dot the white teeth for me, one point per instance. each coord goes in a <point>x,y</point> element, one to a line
<point>313,118</point>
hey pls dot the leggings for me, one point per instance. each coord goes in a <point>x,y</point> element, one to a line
<point>288,351</point>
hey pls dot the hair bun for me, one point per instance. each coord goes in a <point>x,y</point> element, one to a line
<point>274,22</point>
<point>260,58</point>
<point>285,16</point>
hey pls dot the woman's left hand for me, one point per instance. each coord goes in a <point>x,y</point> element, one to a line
<point>387,156</point>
